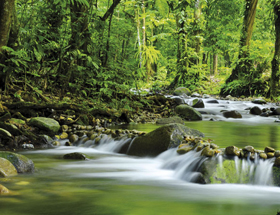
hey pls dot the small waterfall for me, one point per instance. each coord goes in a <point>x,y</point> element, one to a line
<point>239,171</point>
<point>106,143</point>
<point>185,166</point>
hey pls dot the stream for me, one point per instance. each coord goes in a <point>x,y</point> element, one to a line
<point>112,183</point>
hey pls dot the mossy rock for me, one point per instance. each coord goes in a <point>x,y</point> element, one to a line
<point>17,121</point>
<point>226,173</point>
<point>3,190</point>
<point>161,139</point>
<point>174,119</point>
<point>182,90</point>
<point>20,162</point>
<point>198,103</point>
<point>7,168</point>
<point>75,156</point>
<point>276,175</point>
<point>47,124</point>
<point>188,113</point>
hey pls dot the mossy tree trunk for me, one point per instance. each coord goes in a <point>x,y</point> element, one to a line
<point>244,66</point>
<point>275,76</point>
<point>8,33</point>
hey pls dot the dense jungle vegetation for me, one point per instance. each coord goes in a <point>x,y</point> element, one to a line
<point>101,49</point>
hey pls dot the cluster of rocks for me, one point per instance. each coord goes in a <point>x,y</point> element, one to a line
<point>209,149</point>
<point>188,111</point>
<point>75,133</point>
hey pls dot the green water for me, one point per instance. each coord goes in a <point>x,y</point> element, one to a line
<point>55,189</point>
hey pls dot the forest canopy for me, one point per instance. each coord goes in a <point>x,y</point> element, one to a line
<point>103,49</point>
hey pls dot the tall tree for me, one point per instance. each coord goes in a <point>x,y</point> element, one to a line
<point>245,64</point>
<point>8,33</point>
<point>275,76</point>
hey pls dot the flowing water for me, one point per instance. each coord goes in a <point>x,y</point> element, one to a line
<point>112,183</point>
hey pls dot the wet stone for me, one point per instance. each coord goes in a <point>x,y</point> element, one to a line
<point>277,153</point>
<point>248,149</point>
<point>270,154</point>
<point>75,156</point>
<point>277,161</point>
<point>263,155</point>
<point>232,151</point>
<point>269,149</point>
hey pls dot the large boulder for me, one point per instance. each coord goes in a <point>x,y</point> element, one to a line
<point>161,139</point>
<point>20,162</point>
<point>7,168</point>
<point>188,113</point>
<point>181,91</point>
<point>47,124</point>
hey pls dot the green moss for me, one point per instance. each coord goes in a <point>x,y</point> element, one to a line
<point>227,173</point>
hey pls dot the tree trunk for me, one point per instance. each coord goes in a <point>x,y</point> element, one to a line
<point>215,64</point>
<point>275,76</point>
<point>8,34</point>
<point>244,66</point>
<point>7,8</point>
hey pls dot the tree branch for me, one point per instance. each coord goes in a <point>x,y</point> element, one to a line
<point>110,10</point>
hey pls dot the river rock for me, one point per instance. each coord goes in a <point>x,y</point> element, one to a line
<point>255,110</point>
<point>188,113</point>
<point>75,156</point>
<point>212,101</point>
<point>198,103</point>
<point>174,119</point>
<point>64,128</point>
<point>248,149</point>
<point>7,168</point>
<point>161,139</point>
<point>178,100</point>
<point>270,154</point>
<point>197,95</point>
<point>63,135</point>
<point>232,114</point>
<point>276,111</point>
<point>73,138</point>
<point>47,124</point>
<point>259,101</point>
<point>20,162</point>
<point>184,148</point>
<point>181,90</point>
<point>277,161</point>
<point>208,152</point>
<point>269,149</point>
<point>263,155</point>
<point>277,153</point>
<point>3,190</point>
<point>232,151</point>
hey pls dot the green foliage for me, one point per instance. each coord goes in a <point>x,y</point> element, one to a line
<point>65,46</point>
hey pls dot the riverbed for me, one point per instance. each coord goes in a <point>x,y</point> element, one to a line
<point>112,183</point>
